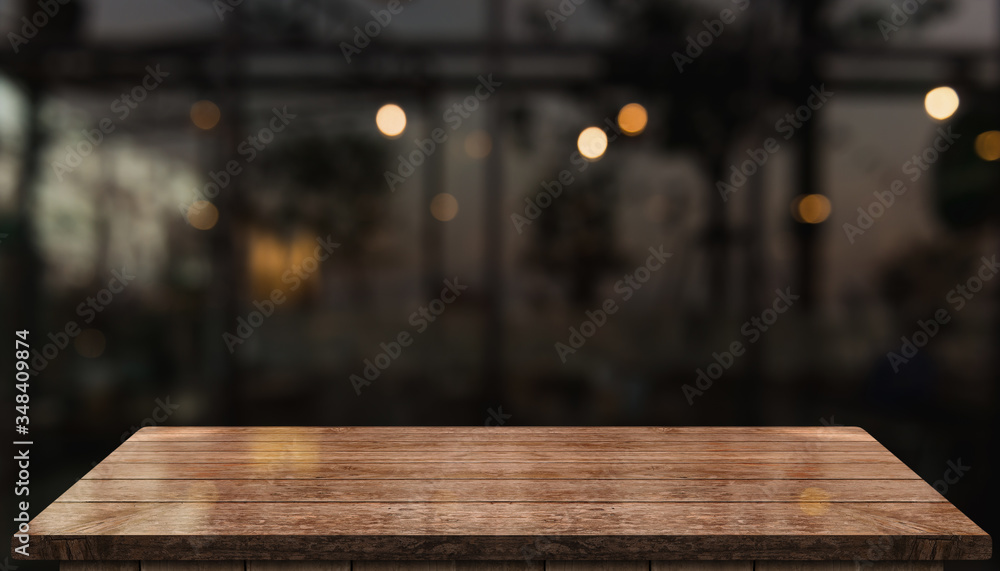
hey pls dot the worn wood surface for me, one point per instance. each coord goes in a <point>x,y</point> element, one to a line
<point>702,566</point>
<point>99,566</point>
<point>298,566</point>
<point>448,566</point>
<point>487,470</point>
<point>597,566</point>
<point>849,565</point>
<point>193,565</point>
<point>515,494</point>
<point>526,565</point>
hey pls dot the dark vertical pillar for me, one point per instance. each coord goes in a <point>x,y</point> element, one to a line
<point>25,258</point>
<point>493,373</point>
<point>808,180</point>
<point>228,238</point>
<point>433,183</point>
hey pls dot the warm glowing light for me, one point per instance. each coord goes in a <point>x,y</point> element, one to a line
<point>632,119</point>
<point>478,144</point>
<point>90,343</point>
<point>592,143</point>
<point>205,114</point>
<point>268,259</point>
<point>988,145</point>
<point>444,207</point>
<point>811,208</point>
<point>391,120</point>
<point>814,501</point>
<point>941,102</point>
<point>203,215</point>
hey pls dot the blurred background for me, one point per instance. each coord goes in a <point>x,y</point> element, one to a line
<point>170,171</point>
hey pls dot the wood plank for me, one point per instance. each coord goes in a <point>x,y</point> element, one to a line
<point>97,566</point>
<point>492,471</point>
<point>298,566</point>
<point>849,565</point>
<point>506,433</point>
<point>701,566</point>
<point>193,566</point>
<point>448,566</point>
<point>504,494</point>
<point>597,566</point>
<point>501,518</point>
<point>251,457</point>
<point>816,491</point>
<point>480,447</point>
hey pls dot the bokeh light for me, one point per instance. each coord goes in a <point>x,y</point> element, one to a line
<point>632,119</point>
<point>592,143</point>
<point>988,145</point>
<point>203,215</point>
<point>90,343</point>
<point>941,102</point>
<point>814,501</point>
<point>811,208</point>
<point>205,114</point>
<point>478,144</point>
<point>444,207</point>
<point>391,120</point>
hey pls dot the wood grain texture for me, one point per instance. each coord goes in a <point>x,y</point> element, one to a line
<point>701,566</point>
<point>193,566</point>
<point>506,471</point>
<point>448,566</point>
<point>583,491</point>
<point>298,566</point>
<point>597,566</point>
<point>849,566</point>
<point>99,566</point>
<point>480,447</point>
<point>313,456</point>
<point>506,433</point>
<point>520,495</point>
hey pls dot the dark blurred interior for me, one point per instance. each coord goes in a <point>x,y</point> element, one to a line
<point>200,151</point>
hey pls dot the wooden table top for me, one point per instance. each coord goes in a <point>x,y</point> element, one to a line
<point>503,493</point>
